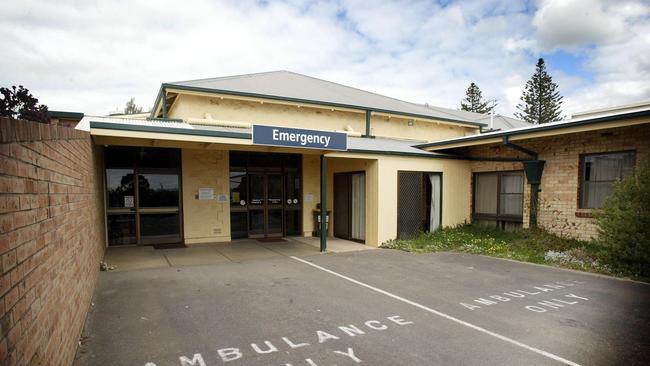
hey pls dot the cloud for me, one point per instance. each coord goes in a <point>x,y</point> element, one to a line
<point>614,39</point>
<point>94,56</point>
<point>573,23</point>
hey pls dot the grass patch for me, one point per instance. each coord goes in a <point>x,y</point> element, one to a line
<point>527,245</point>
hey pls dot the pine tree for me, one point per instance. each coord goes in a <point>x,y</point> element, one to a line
<point>473,101</point>
<point>541,101</point>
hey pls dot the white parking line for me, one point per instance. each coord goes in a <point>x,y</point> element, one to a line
<point>449,317</point>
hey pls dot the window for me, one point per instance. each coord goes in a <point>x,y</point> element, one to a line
<point>598,174</point>
<point>143,195</point>
<point>499,199</point>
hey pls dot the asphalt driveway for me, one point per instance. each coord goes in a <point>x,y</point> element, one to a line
<point>376,307</point>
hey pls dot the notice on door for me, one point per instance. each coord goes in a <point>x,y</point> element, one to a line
<point>206,194</point>
<point>129,202</point>
<point>298,137</point>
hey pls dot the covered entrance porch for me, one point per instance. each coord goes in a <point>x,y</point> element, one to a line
<point>185,193</point>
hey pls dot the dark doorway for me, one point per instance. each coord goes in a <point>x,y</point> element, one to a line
<point>419,203</point>
<point>349,206</point>
<point>265,207</point>
<point>265,195</point>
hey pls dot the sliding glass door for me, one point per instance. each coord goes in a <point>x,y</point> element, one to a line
<point>265,192</point>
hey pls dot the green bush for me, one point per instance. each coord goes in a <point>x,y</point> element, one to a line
<point>624,223</point>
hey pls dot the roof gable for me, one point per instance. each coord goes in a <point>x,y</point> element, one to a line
<point>292,86</point>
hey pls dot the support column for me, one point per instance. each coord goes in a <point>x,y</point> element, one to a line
<point>323,203</point>
<point>368,117</point>
<point>164,103</point>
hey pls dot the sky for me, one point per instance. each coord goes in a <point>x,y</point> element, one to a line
<point>92,56</point>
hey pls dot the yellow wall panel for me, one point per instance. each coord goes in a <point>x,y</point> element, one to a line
<point>203,220</point>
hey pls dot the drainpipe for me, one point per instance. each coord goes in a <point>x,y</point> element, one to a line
<point>368,116</point>
<point>323,203</point>
<point>533,169</point>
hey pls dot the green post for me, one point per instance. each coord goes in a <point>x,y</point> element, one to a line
<point>323,203</point>
<point>368,116</point>
<point>164,103</point>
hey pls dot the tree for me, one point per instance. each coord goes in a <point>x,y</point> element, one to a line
<point>473,101</point>
<point>20,103</point>
<point>541,101</point>
<point>131,107</point>
<point>624,223</point>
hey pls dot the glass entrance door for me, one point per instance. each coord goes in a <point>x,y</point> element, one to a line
<point>265,194</point>
<point>265,207</point>
<point>274,205</point>
<point>143,204</point>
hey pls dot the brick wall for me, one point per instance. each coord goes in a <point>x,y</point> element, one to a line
<point>558,211</point>
<point>51,240</point>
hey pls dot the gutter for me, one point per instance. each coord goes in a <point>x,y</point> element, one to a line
<point>177,131</point>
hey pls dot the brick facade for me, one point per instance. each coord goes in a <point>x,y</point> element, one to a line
<point>51,240</point>
<point>558,209</point>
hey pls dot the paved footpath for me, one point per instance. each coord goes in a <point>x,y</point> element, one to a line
<point>376,307</point>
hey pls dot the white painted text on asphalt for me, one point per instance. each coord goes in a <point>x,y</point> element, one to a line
<point>286,344</point>
<point>556,302</point>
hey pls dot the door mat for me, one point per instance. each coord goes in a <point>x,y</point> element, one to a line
<point>270,240</point>
<point>169,246</point>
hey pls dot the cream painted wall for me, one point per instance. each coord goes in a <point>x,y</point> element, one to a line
<point>456,182</point>
<point>398,127</point>
<point>381,189</point>
<point>205,221</point>
<point>196,106</point>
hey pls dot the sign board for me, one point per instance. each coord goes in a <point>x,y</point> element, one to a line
<point>206,194</point>
<point>298,137</point>
<point>129,201</point>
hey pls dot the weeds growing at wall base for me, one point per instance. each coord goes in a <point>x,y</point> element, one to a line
<point>527,245</point>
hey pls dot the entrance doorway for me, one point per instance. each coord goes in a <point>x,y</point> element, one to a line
<point>265,207</point>
<point>350,206</point>
<point>265,192</point>
<point>419,203</point>
<point>143,200</point>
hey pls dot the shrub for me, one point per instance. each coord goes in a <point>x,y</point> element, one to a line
<point>624,223</point>
<point>20,103</point>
